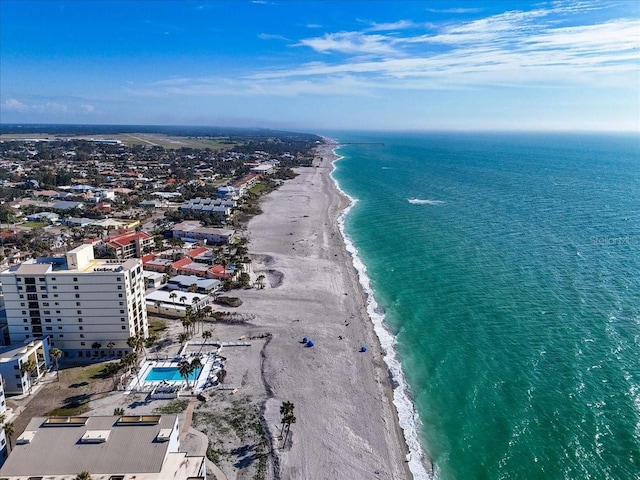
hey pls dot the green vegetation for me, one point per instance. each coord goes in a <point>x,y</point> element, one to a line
<point>90,372</point>
<point>157,326</point>
<point>173,407</point>
<point>35,224</point>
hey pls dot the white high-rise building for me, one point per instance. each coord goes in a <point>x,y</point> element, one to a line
<point>89,307</point>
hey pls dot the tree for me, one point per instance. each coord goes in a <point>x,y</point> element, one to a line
<point>110,346</point>
<point>260,281</point>
<point>118,411</point>
<point>84,475</point>
<point>206,335</point>
<point>96,346</point>
<point>137,344</point>
<point>173,296</point>
<point>9,431</point>
<point>157,303</point>
<point>129,360</point>
<point>28,367</point>
<point>56,354</point>
<point>184,367</point>
<point>287,418</point>
<point>183,337</point>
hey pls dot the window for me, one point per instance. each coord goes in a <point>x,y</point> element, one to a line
<point>53,278</point>
<point>79,354</point>
<point>22,304</point>
<point>24,320</point>
<point>77,295</point>
<point>123,327</point>
<point>59,328</point>
<point>48,328</point>
<point>119,295</point>
<point>119,287</point>
<point>80,320</point>
<point>47,320</point>
<point>47,312</point>
<point>41,279</point>
<point>45,296</point>
<point>45,304</point>
<point>26,328</point>
<point>61,335</point>
<point>82,335</point>
<point>83,343</point>
<point>57,311</point>
<point>121,303</point>
<point>79,312</point>
<point>121,311</point>
<point>43,288</point>
<point>55,287</point>
<point>21,296</point>
<point>76,287</point>
<point>75,279</point>
<point>77,304</point>
<point>119,279</point>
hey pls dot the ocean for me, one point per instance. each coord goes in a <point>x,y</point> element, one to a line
<point>504,275</point>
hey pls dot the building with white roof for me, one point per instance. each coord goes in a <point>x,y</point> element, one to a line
<point>82,303</point>
<point>145,447</point>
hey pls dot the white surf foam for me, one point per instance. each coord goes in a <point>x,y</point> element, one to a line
<point>420,201</point>
<point>407,415</point>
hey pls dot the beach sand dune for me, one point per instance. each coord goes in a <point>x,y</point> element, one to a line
<point>346,424</point>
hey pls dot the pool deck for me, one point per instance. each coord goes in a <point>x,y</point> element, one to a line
<point>211,365</point>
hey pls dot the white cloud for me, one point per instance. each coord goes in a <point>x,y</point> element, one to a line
<point>351,43</point>
<point>86,108</point>
<point>15,105</point>
<point>268,36</point>
<point>542,47</point>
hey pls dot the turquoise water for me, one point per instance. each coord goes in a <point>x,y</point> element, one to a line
<point>508,270</point>
<point>170,374</point>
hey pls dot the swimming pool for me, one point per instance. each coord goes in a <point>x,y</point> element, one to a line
<point>169,374</point>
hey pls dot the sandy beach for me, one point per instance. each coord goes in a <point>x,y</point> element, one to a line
<point>346,422</point>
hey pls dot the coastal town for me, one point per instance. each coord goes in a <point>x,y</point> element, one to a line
<point>122,265</point>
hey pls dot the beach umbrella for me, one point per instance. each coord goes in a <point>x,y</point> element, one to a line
<point>305,339</point>
<point>310,343</point>
<point>364,348</point>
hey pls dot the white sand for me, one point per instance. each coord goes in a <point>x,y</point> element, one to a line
<point>346,422</point>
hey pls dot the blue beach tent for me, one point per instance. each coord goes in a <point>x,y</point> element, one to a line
<point>310,343</point>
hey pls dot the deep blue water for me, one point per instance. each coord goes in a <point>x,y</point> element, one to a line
<point>508,268</point>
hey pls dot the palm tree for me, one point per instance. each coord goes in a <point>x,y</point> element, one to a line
<point>110,346</point>
<point>157,303</point>
<point>84,475</point>
<point>136,343</point>
<point>183,300</point>
<point>206,335</point>
<point>183,337</point>
<point>184,367</point>
<point>129,360</point>
<point>260,281</point>
<point>285,409</point>
<point>9,430</point>
<point>56,354</point>
<point>96,345</point>
<point>173,296</point>
<point>28,367</point>
<point>119,411</point>
<point>287,419</point>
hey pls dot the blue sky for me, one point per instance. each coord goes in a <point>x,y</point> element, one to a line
<point>323,65</point>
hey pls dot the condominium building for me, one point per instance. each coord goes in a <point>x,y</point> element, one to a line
<point>88,307</point>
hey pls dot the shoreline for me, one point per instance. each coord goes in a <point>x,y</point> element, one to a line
<point>406,415</point>
<point>347,423</point>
